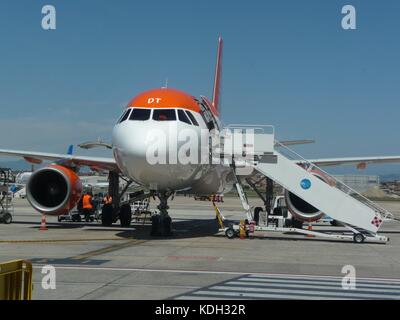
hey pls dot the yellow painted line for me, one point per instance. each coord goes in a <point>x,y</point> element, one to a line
<point>61,240</point>
<point>112,248</point>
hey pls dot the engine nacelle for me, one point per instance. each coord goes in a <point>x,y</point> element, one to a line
<point>301,209</point>
<point>54,190</point>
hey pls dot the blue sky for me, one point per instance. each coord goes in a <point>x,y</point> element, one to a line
<point>286,63</point>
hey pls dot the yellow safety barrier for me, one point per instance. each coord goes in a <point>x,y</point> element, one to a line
<point>16,280</point>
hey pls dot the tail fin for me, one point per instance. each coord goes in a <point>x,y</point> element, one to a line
<point>70,150</point>
<point>218,74</point>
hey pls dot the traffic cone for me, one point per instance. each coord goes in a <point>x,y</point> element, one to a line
<point>309,228</point>
<point>43,223</point>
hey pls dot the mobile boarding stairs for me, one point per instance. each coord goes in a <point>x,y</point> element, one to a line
<point>361,216</point>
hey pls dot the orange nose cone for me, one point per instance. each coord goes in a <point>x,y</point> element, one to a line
<point>165,98</point>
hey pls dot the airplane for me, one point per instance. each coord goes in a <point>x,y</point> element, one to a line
<point>56,188</point>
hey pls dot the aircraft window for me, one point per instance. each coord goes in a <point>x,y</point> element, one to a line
<point>191,116</point>
<point>120,118</point>
<point>125,116</point>
<point>183,117</point>
<point>164,115</point>
<point>140,114</point>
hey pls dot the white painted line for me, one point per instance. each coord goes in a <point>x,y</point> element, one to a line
<point>120,285</point>
<point>64,267</point>
<point>253,274</point>
<point>208,298</point>
<point>306,293</point>
<point>305,276</point>
<point>206,293</point>
<point>294,285</point>
<point>383,284</point>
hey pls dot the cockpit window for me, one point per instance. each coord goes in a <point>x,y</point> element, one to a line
<point>140,114</point>
<point>191,116</point>
<point>164,115</point>
<point>124,116</point>
<point>183,117</point>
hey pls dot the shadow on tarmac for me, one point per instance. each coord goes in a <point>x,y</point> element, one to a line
<point>181,229</point>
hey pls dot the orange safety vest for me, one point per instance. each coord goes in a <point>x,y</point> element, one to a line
<point>107,200</point>
<point>86,203</point>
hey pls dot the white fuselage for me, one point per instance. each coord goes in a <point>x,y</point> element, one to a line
<point>152,153</point>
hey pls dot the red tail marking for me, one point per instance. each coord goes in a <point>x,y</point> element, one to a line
<point>218,74</point>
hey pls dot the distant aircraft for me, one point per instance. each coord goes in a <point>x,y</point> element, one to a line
<point>56,188</point>
<point>23,178</point>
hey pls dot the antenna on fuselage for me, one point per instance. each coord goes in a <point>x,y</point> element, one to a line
<point>166,84</point>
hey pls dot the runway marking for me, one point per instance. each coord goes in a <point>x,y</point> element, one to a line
<point>305,285</point>
<point>118,285</point>
<point>253,274</point>
<point>192,258</point>
<point>61,240</point>
<point>314,283</point>
<point>296,287</point>
<point>112,248</point>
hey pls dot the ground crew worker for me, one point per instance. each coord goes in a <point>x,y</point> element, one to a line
<point>87,206</point>
<point>107,199</point>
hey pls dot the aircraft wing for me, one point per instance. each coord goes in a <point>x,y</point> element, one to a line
<point>38,157</point>
<point>292,142</point>
<point>361,162</point>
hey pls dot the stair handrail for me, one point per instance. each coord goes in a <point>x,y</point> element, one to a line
<point>254,127</point>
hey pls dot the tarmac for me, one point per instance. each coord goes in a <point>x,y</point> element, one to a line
<point>197,261</point>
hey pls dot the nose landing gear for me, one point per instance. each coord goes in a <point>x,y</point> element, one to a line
<point>161,222</point>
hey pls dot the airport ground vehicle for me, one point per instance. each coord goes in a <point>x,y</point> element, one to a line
<point>279,211</point>
<point>280,219</point>
<point>6,196</point>
<point>6,205</point>
<point>279,214</point>
<point>77,215</point>
<point>5,217</point>
<point>137,201</point>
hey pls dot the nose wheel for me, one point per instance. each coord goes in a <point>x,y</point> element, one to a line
<point>161,222</point>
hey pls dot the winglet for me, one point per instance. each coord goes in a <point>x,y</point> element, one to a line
<point>218,74</point>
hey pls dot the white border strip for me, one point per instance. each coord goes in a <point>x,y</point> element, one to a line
<point>294,276</point>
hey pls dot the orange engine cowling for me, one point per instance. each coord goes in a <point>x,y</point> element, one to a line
<point>54,190</point>
<point>301,209</point>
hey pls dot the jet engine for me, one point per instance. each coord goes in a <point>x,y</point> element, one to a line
<point>54,190</point>
<point>302,210</point>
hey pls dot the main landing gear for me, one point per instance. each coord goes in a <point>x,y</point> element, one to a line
<point>110,213</point>
<point>161,222</point>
